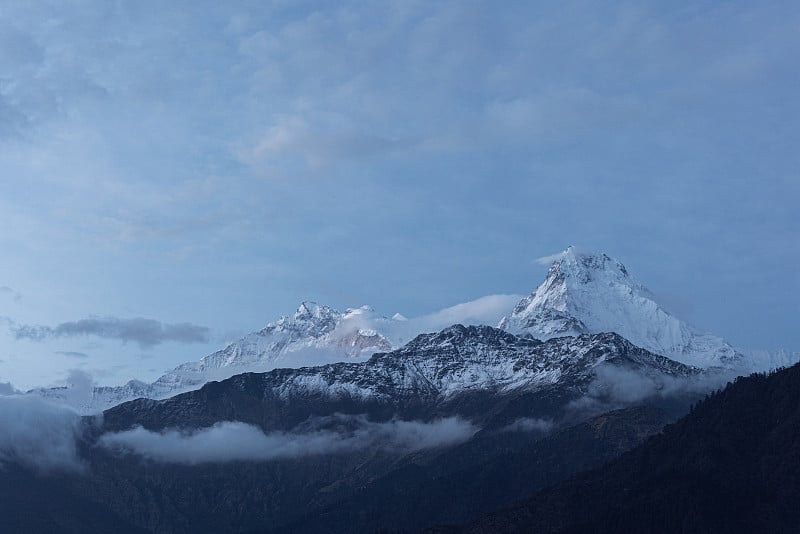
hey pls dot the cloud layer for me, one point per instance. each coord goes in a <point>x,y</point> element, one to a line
<point>37,433</point>
<point>616,386</point>
<point>236,441</point>
<point>144,332</point>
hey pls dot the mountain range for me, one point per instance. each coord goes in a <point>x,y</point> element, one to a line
<point>328,421</point>
<point>434,375</point>
<point>583,293</point>
<point>284,449</point>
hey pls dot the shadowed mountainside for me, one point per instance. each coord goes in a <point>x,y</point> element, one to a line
<point>731,465</point>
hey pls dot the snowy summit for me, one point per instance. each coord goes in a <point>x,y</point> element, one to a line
<point>588,293</point>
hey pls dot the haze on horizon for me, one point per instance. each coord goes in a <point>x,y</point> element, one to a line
<point>175,176</point>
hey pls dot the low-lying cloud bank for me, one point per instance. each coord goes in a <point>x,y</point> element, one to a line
<point>144,332</point>
<point>616,386</point>
<point>38,434</point>
<point>235,441</point>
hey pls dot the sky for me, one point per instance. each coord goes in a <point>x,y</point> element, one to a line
<point>175,175</point>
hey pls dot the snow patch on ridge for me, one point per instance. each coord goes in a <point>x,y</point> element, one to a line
<point>314,335</point>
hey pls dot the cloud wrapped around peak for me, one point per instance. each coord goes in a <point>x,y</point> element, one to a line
<point>548,260</point>
<point>144,332</point>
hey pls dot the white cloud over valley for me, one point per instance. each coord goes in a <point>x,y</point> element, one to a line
<point>235,441</point>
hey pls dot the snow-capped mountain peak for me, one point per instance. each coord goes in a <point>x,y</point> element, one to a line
<point>587,293</point>
<point>432,371</point>
<point>310,318</point>
<point>313,335</point>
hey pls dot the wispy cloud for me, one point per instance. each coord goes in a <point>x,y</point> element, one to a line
<point>530,424</point>
<point>296,137</point>
<point>548,260</point>
<point>616,386</point>
<point>485,310</point>
<point>72,354</point>
<point>236,441</point>
<point>9,292</point>
<point>144,332</point>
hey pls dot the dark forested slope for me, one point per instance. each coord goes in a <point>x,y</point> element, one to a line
<point>731,465</point>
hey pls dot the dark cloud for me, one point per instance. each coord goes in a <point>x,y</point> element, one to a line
<point>144,332</point>
<point>235,441</point>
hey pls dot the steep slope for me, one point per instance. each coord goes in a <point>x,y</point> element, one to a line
<point>590,293</point>
<point>494,380</point>
<point>319,491</point>
<point>430,376</point>
<point>33,503</point>
<point>731,465</point>
<point>314,335</point>
<point>317,329</point>
<point>509,389</point>
<point>492,470</point>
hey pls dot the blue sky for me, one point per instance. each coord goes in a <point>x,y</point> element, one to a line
<point>208,165</point>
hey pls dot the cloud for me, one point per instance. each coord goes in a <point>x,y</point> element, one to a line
<point>759,361</point>
<point>317,144</point>
<point>615,386</point>
<point>557,115</point>
<point>80,386</point>
<point>38,434</point>
<point>72,354</point>
<point>144,332</point>
<point>548,260</point>
<point>9,292</point>
<point>6,388</point>
<point>530,424</point>
<point>118,110</point>
<point>235,441</point>
<point>485,310</point>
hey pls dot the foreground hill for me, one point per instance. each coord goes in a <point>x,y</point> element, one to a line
<point>492,470</point>
<point>731,465</point>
